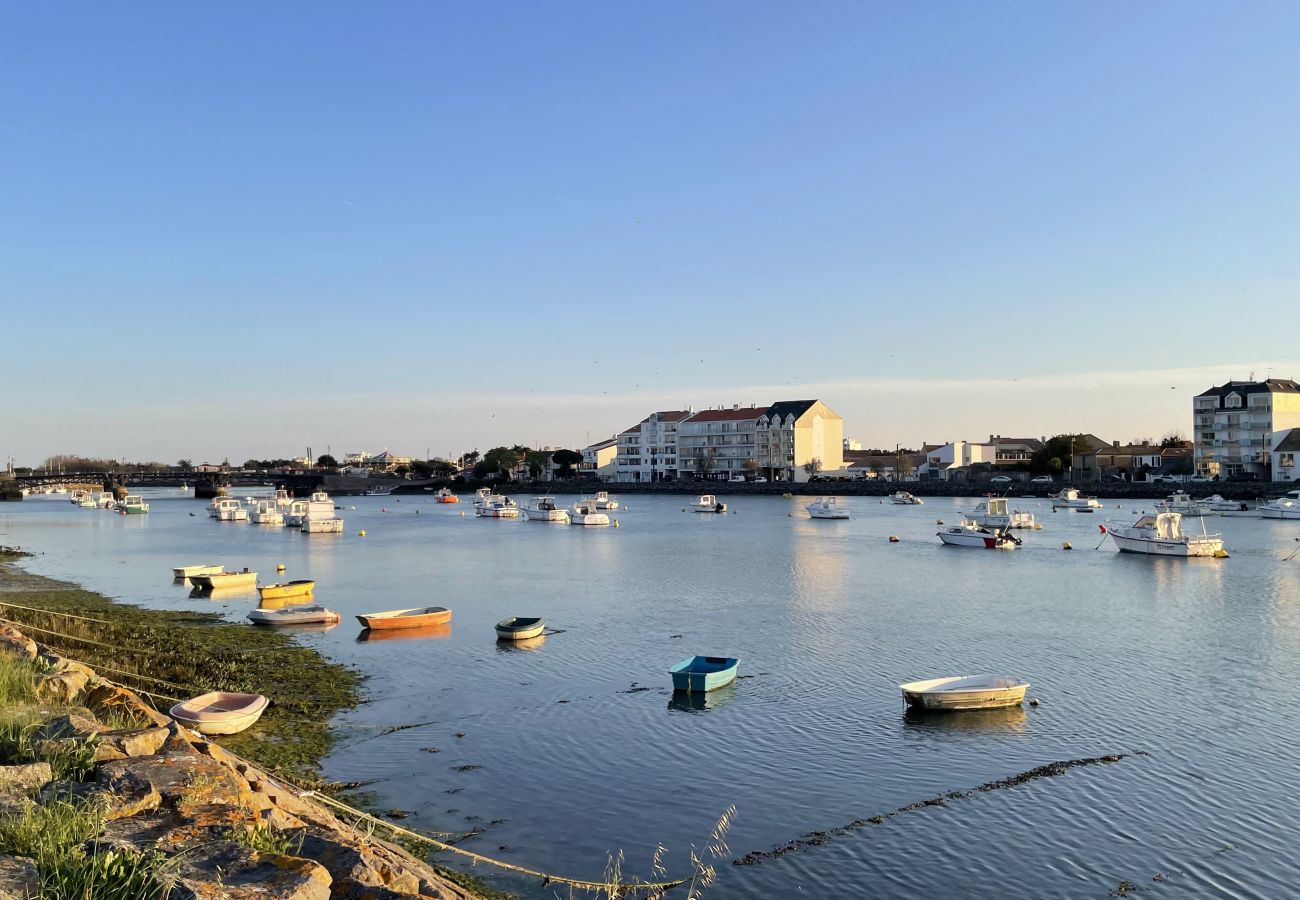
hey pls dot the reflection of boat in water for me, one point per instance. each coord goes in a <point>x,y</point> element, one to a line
<point>427,632</point>
<point>533,643</point>
<point>700,701</point>
<point>1008,718</point>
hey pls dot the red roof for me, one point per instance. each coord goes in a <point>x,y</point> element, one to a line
<point>728,415</point>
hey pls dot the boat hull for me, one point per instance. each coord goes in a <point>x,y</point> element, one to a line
<point>435,615</point>
<point>283,591</point>
<point>191,571</point>
<point>588,519</point>
<point>321,526</point>
<point>553,516</point>
<point>964,693</point>
<point>224,580</point>
<point>1147,547</point>
<point>700,674</point>
<point>497,512</point>
<point>976,539</point>
<point>220,713</point>
<point>303,615</point>
<point>519,629</point>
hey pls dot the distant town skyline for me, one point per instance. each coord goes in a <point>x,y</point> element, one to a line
<point>246,229</point>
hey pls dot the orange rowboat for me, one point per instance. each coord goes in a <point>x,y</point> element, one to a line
<point>420,617</point>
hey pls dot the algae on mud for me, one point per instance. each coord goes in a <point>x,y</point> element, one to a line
<point>174,654</point>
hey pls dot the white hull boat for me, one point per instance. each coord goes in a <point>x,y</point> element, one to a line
<point>968,534</point>
<point>965,692</point>
<point>709,504</point>
<point>220,712</point>
<point>826,508</point>
<point>585,512</point>
<point>293,517</point>
<point>318,517</point>
<point>332,525</point>
<point>267,513</point>
<point>543,509</point>
<point>1285,507</point>
<point>903,498</point>
<point>993,513</point>
<point>605,501</point>
<point>1181,503</point>
<point>497,507</point>
<point>1071,499</point>
<point>1218,506</point>
<point>191,571</point>
<point>1162,535</point>
<point>294,615</point>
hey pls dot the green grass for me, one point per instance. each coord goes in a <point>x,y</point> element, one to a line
<point>265,839</point>
<point>60,837</point>
<point>69,760</point>
<point>17,681</point>
<point>200,651</point>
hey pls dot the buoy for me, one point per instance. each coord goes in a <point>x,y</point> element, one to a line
<point>280,567</point>
<point>616,523</point>
<point>882,502</point>
<point>417,512</point>
<point>1033,701</point>
<point>938,521</point>
<point>462,513</point>
<point>354,507</point>
<point>1220,554</point>
<point>1119,505</point>
<point>383,509</point>
<point>789,515</point>
<point>1066,546</point>
<point>361,533</point>
<point>893,539</point>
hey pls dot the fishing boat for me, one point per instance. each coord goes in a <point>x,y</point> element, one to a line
<point>287,589</point>
<point>497,506</point>
<point>1070,498</point>
<point>903,498</point>
<point>76,497</point>
<point>1182,503</point>
<point>543,509</point>
<point>318,517</point>
<point>293,515</point>
<point>220,712</point>
<point>969,534</point>
<point>1285,507</point>
<point>991,513</point>
<point>267,513</point>
<point>963,692</point>
<point>105,500</point>
<point>707,503</point>
<point>228,509</point>
<point>704,673</point>
<point>224,580</point>
<point>517,628</point>
<point>1217,505</point>
<point>88,501</point>
<point>1162,535</point>
<point>827,508</point>
<point>191,571</point>
<point>420,617</point>
<point>605,501</point>
<point>294,615</point>
<point>283,500</point>
<point>445,495</point>
<point>132,505</point>
<point>585,512</point>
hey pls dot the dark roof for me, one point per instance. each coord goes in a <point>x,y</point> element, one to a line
<point>727,415</point>
<point>794,408</point>
<point>1290,441</point>
<point>635,429</point>
<point>670,415</point>
<point>1269,386</point>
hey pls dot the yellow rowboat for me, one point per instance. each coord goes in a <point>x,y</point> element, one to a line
<point>420,617</point>
<point>220,580</point>
<point>298,588</point>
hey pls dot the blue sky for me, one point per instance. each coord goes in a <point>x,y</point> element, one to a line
<point>437,226</point>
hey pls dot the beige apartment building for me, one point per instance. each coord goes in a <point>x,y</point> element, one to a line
<point>1234,424</point>
<point>776,442</point>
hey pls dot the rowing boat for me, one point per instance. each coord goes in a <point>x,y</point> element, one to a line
<point>704,673</point>
<point>965,692</point>
<point>406,618</point>
<point>220,712</point>
<point>191,571</point>
<point>218,580</point>
<point>287,589</point>
<point>517,628</point>
<point>294,615</point>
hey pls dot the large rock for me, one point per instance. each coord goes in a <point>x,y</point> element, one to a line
<point>17,783</point>
<point>61,687</point>
<point>224,870</point>
<point>69,725</point>
<point>122,744</point>
<point>110,700</point>
<point>19,879</point>
<point>14,641</point>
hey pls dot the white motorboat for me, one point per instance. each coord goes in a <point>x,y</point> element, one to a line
<point>543,509</point>
<point>191,571</point>
<point>294,615</point>
<point>282,500</point>
<point>318,517</point>
<point>496,506</point>
<point>903,498</point>
<point>232,511</point>
<point>293,515</point>
<point>1182,503</point>
<point>605,501</point>
<point>827,508</point>
<point>994,513</point>
<point>969,534</point>
<point>267,513</point>
<point>707,503</point>
<point>1162,535</point>
<point>105,500</point>
<point>1069,498</point>
<point>482,496</point>
<point>1219,506</point>
<point>76,497</point>
<point>1284,507</point>
<point>585,512</point>
<point>88,501</point>
<point>132,505</point>
<point>963,692</point>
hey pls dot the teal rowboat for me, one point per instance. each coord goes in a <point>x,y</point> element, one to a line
<point>519,629</point>
<point>704,673</point>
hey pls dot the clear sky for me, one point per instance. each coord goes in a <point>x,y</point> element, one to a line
<point>237,229</point>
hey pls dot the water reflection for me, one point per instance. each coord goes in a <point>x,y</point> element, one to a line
<point>693,702</point>
<point>286,602</point>
<point>233,593</point>
<point>1009,719</point>
<point>508,646</point>
<point>428,632</point>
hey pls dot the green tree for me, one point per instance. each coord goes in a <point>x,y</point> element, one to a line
<point>751,466</point>
<point>471,458</point>
<point>499,462</point>
<point>325,461</point>
<point>251,464</point>
<point>1054,456</point>
<point>1174,439</point>
<point>185,464</point>
<point>538,462</point>
<point>567,460</point>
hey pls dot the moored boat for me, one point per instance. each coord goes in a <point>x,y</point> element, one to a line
<point>543,509</point>
<point>1161,535</point>
<point>224,580</point>
<point>968,534</point>
<point>1182,503</point>
<point>105,500</point>
<point>1070,498</point>
<point>318,517</point>
<point>420,617</point>
<point>964,692</point>
<point>704,673</point>
<point>1285,507</point>
<point>294,615</point>
<point>519,628</point>
<point>299,588</point>
<point>191,571</point>
<point>605,501</point>
<point>267,513</point>
<point>827,508</point>
<point>496,506</point>
<point>585,512</point>
<point>1219,506</point>
<point>707,503</point>
<point>903,498</point>
<point>293,515</point>
<point>220,712</point>
<point>132,505</point>
<point>445,495</point>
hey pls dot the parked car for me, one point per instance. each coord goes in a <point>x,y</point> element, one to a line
<point>1200,479</point>
<point>1042,479</point>
<point>760,480</point>
<point>1167,479</point>
<point>737,477</point>
<point>1000,479</point>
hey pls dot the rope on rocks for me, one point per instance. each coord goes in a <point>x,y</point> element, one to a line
<point>547,878</point>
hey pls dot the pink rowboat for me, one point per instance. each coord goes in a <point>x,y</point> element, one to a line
<point>220,712</point>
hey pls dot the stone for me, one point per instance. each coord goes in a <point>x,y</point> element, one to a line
<point>61,687</point>
<point>110,700</point>
<point>139,742</point>
<point>15,642</point>
<point>19,879</point>
<point>186,782</point>
<point>224,870</point>
<point>60,665</point>
<point>69,725</point>
<point>23,780</point>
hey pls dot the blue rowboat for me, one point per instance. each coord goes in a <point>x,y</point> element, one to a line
<point>518,628</point>
<point>704,673</point>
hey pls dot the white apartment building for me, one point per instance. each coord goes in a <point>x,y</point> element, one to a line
<point>1286,455</point>
<point>598,460</point>
<point>1234,424</point>
<point>648,450</point>
<point>776,441</point>
<point>953,460</point>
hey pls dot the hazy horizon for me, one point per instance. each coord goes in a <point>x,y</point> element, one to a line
<point>242,230</point>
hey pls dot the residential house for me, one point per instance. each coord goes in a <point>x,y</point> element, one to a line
<point>207,468</point>
<point>1234,424</point>
<point>1090,456</point>
<point>599,460</point>
<point>887,466</point>
<point>953,461</point>
<point>1285,451</point>
<point>780,442</point>
<point>1013,453</point>
<point>648,450</point>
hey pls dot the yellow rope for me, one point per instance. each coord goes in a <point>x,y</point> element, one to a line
<point>478,857</point>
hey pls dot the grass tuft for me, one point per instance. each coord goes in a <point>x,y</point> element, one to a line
<point>265,839</point>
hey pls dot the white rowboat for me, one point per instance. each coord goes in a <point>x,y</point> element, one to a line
<point>963,692</point>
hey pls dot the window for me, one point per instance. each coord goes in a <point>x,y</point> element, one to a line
<point>1233,401</point>
<point>1286,460</point>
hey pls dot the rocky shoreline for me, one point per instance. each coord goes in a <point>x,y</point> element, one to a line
<point>199,822</point>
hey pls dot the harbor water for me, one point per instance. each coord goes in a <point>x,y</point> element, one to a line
<point>1178,676</point>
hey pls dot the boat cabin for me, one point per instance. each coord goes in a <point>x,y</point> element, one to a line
<point>1165,526</point>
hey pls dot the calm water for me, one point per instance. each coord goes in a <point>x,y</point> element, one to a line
<point>1192,662</point>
